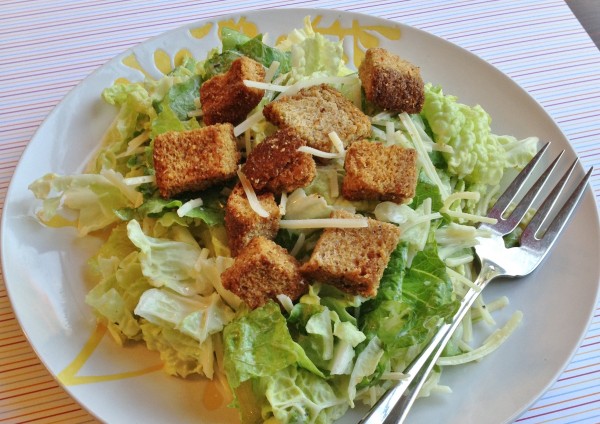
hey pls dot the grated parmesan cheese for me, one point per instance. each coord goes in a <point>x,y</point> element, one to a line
<point>143,179</point>
<point>298,245</point>
<point>492,343</point>
<point>337,142</point>
<point>297,224</point>
<point>283,203</point>
<point>246,124</point>
<point>188,206</point>
<point>271,71</point>
<point>251,195</point>
<point>134,143</point>
<point>320,153</point>
<point>422,155</point>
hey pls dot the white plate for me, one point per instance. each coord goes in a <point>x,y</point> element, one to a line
<point>44,268</point>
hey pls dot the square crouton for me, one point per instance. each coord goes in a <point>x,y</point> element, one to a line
<point>352,259</point>
<point>243,224</point>
<point>390,82</point>
<point>315,112</point>
<point>378,172</point>
<point>194,160</point>
<point>225,97</point>
<point>263,270</point>
<point>277,166</point>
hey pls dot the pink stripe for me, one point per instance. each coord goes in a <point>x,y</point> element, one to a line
<point>558,410</point>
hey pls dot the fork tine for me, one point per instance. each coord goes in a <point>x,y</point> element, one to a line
<point>505,226</point>
<point>506,198</point>
<point>530,238</point>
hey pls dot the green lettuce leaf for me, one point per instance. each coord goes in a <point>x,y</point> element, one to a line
<point>168,263</point>
<point>195,316</point>
<point>93,199</point>
<point>259,344</point>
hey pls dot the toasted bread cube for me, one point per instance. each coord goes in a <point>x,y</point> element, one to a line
<point>378,172</point>
<point>225,97</point>
<point>352,259</point>
<point>261,271</point>
<point>315,112</point>
<point>194,160</point>
<point>277,166</point>
<point>243,224</point>
<point>390,82</point>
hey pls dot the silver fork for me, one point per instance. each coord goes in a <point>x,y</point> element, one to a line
<point>496,261</point>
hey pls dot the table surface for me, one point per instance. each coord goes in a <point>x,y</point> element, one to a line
<point>47,47</point>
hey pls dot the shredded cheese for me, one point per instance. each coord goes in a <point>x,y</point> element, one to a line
<point>286,302</point>
<point>422,155</point>
<point>265,85</point>
<point>251,195</point>
<point>143,179</point>
<point>337,142</point>
<point>393,375</point>
<point>194,113</point>
<point>320,153</point>
<point>462,279</point>
<point>297,224</point>
<point>188,206</point>
<point>464,195</point>
<point>246,124</point>
<point>298,245</point>
<point>456,261</point>
<point>271,71</point>
<point>492,343</point>
<point>283,203</point>
<point>134,143</point>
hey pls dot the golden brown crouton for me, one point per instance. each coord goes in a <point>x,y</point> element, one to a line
<point>378,172</point>
<point>194,160</point>
<point>263,270</point>
<point>277,166</point>
<point>243,224</point>
<point>225,97</point>
<point>352,259</point>
<point>315,112</point>
<point>390,82</point>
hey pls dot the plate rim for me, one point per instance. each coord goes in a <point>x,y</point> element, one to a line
<point>251,13</point>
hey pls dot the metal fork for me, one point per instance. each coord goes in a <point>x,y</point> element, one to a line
<point>496,261</point>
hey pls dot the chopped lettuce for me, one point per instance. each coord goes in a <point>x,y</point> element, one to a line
<point>92,199</point>
<point>196,316</point>
<point>478,156</point>
<point>167,262</point>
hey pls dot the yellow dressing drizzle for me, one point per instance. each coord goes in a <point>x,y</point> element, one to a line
<point>69,376</point>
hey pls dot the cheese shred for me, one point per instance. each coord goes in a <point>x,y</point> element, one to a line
<point>251,195</point>
<point>297,224</point>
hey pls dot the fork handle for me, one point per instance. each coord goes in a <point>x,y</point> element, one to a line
<point>394,405</point>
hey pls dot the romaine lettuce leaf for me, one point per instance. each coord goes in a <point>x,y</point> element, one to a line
<point>168,263</point>
<point>92,199</point>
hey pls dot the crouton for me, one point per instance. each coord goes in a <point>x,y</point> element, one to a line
<point>352,259</point>
<point>277,166</point>
<point>225,97</point>
<point>315,112</point>
<point>390,82</point>
<point>263,270</point>
<point>378,172</point>
<point>194,160</point>
<point>243,224</point>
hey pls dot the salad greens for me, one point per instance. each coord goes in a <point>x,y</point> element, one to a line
<point>158,272</point>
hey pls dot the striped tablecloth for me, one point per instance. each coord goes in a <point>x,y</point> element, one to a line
<point>47,47</point>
